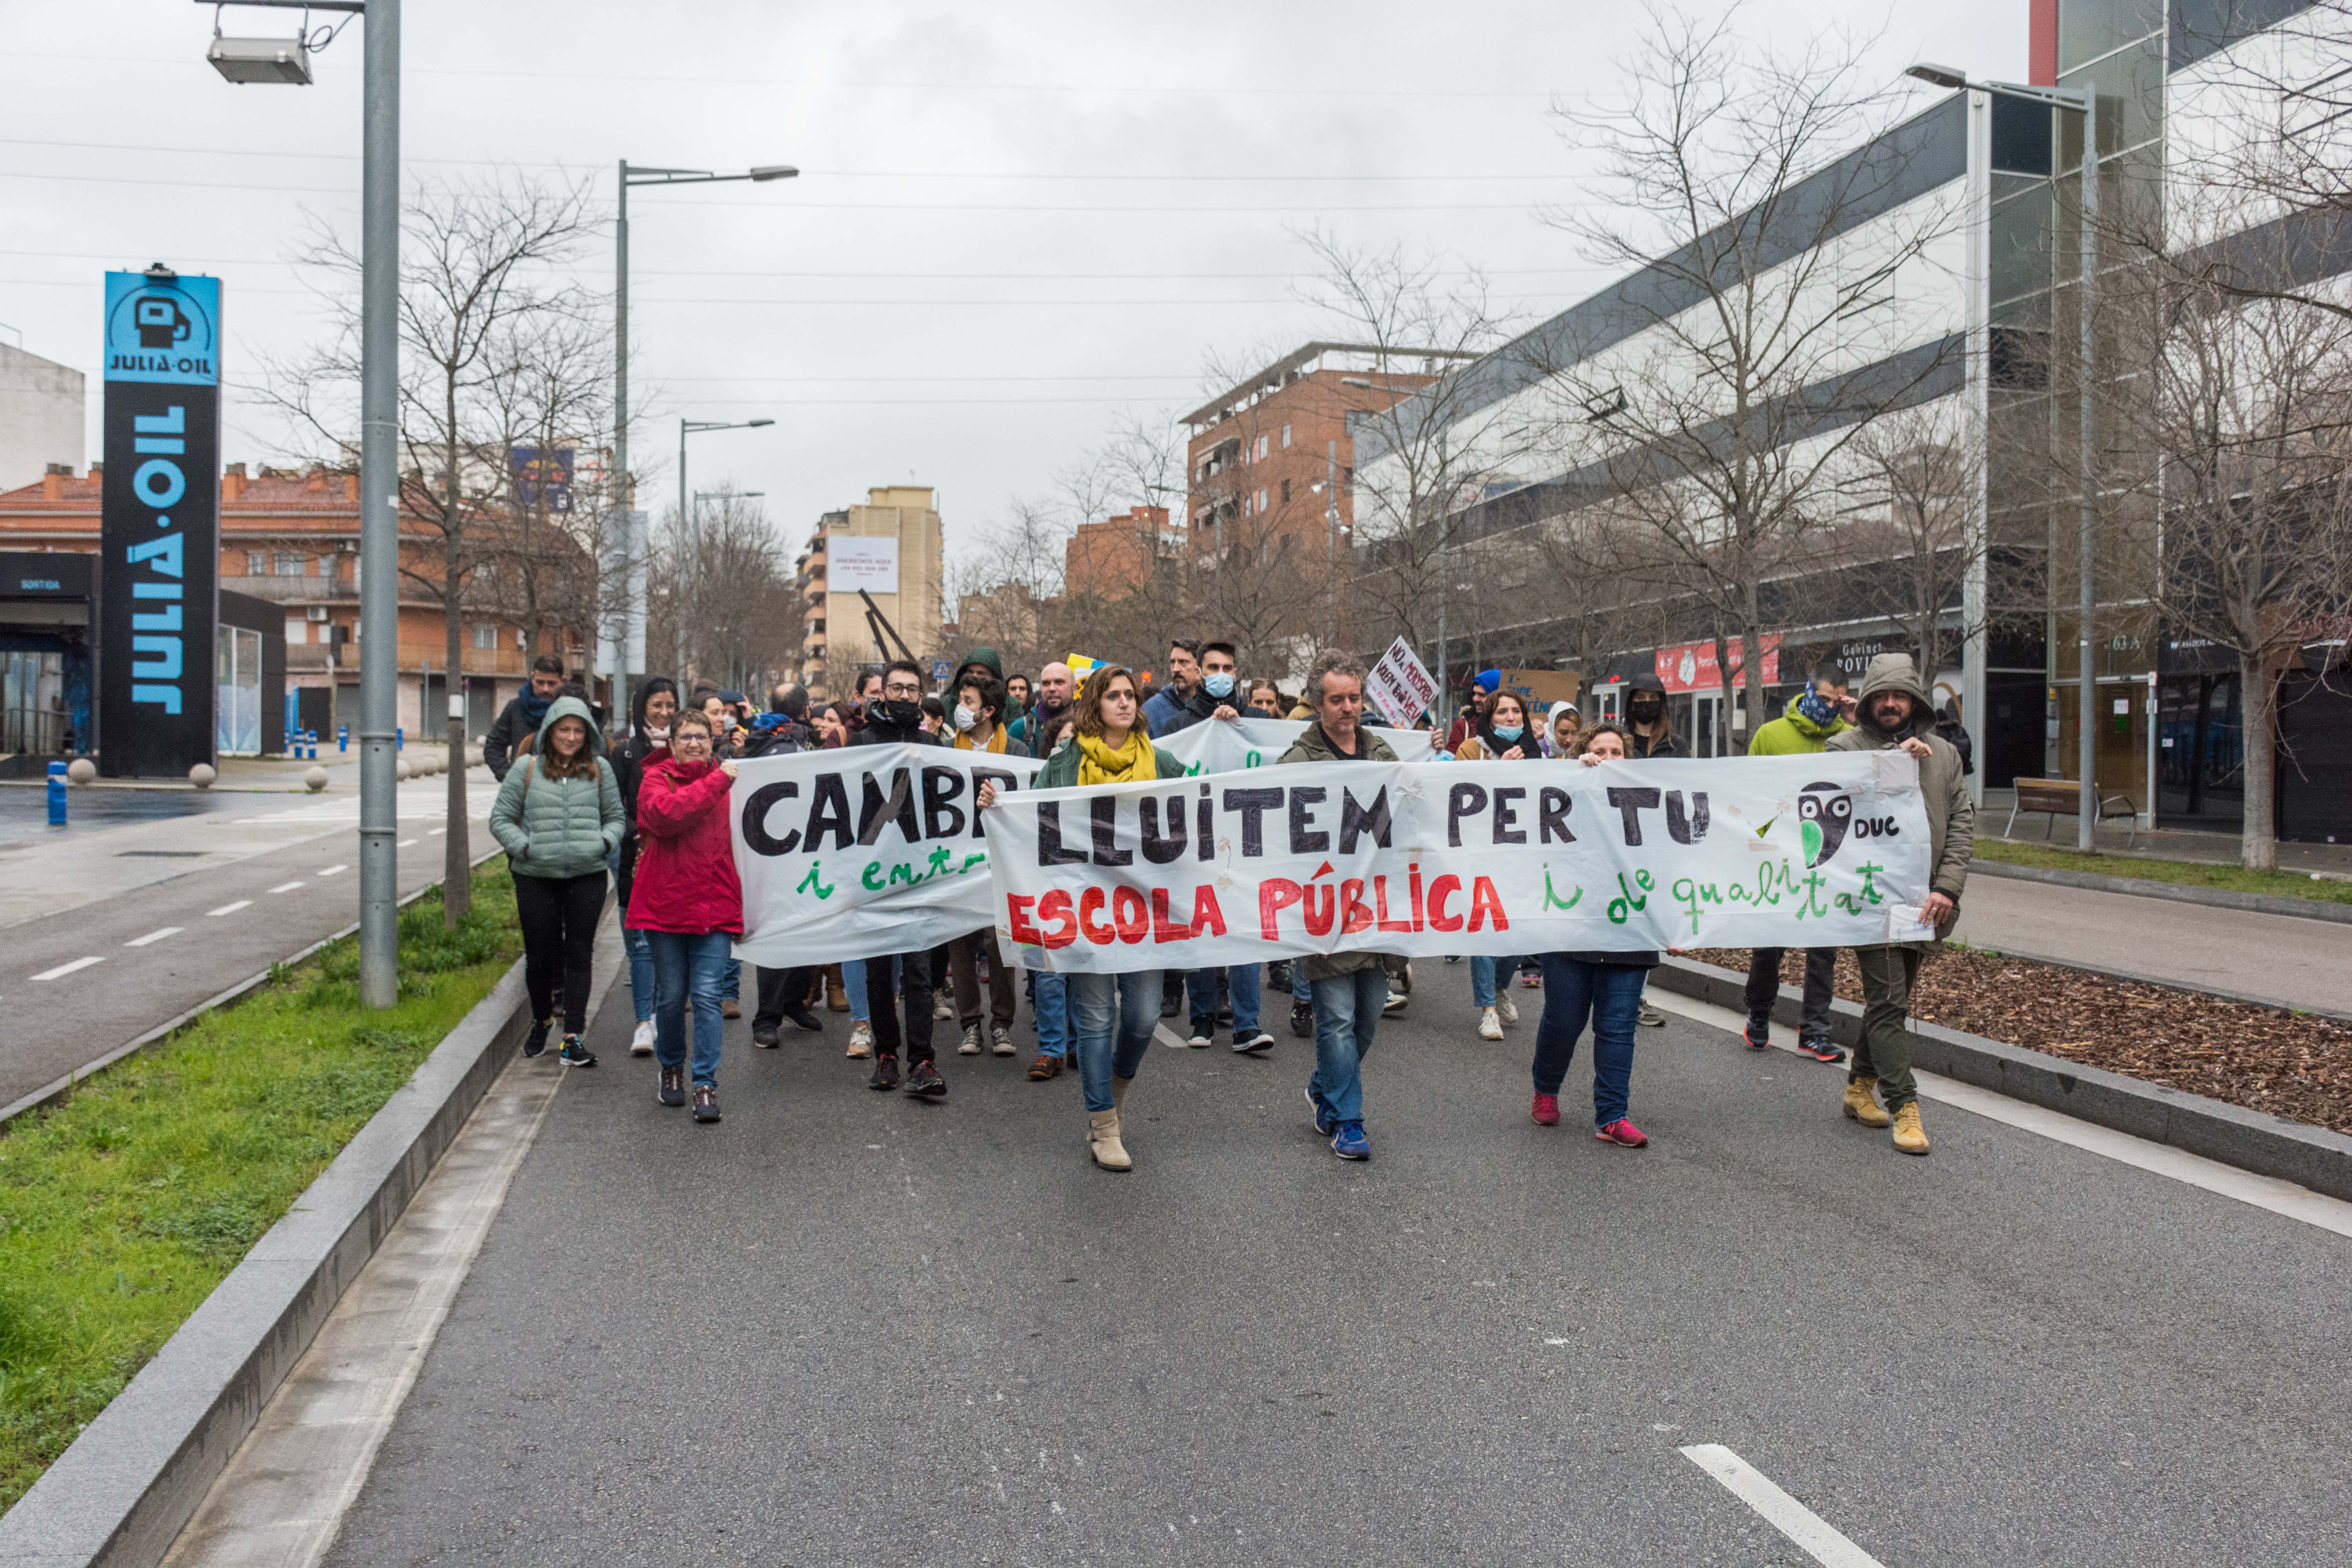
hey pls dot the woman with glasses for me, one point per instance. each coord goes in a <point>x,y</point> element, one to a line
<point>689,903</point>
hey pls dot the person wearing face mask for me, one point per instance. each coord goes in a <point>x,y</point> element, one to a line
<point>1504,737</point>
<point>896,718</point>
<point>1649,727</point>
<point>655,704</point>
<point>1219,697</point>
<point>977,723</point>
<point>1814,716</point>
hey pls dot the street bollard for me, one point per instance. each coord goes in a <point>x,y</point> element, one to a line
<point>56,795</point>
<point>342,737</point>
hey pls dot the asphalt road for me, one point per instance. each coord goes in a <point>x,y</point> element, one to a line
<point>78,982</point>
<point>847,1327</point>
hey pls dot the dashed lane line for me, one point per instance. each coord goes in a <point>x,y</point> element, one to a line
<point>404,844</point>
<point>288,887</point>
<point>330,870</point>
<point>65,969</point>
<point>1820,1539</point>
<point>229,908</point>
<point>154,936</point>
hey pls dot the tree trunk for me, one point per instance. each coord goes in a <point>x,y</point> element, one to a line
<point>457,865</point>
<point>2258,699</point>
<point>1751,652</point>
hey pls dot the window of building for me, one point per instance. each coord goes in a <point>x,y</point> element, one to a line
<point>1261,447</point>
<point>1286,492</point>
<point>257,564</point>
<point>297,630</point>
<point>286,564</point>
<point>1261,500</point>
<point>485,637</point>
<point>1286,438</point>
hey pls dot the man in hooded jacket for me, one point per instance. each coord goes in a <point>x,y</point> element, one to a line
<point>1895,711</point>
<point>1814,717</point>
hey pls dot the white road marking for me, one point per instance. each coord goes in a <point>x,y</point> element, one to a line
<point>154,936</point>
<point>287,886</point>
<point>404,844</point>
<point>65,969</point>
<point>1820,1540</point>
<point>2286,1198</point>
<point>229,908</point>
<point>436,833</point>
<point>330,870</point>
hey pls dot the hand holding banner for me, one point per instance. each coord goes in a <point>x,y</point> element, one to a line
<point>1435,857</point>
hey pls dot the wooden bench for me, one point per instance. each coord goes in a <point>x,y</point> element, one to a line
<point>2063,797</point>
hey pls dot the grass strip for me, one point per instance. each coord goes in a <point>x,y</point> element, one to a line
<point>2186,873</point>
<point>122,1208</point>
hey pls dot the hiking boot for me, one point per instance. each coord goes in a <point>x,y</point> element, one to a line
<point>706,1102</point>
<point>1490,1025</point>
<point>729,1007</point>
<point>535,1043</point>
<point>1861,1102</point>
<point>574,1054</point>
<point>1248,1042</point>
<point>861,1039</point>
<point>836,1000</point>
<point>764,1036</point>
<point>1348,1142</point>
<point>1302,1019</point>
<point>1044,1068</point>
<point>1000,1040</point>
<point>1822,1048</point>
<point>1758,1033</point>
<point>1653,1018</point>
<point>1547,1111</point>
<point>1909,1136</point>
<point>1504,1006</point>
<point>970,1047</point>
<point>1103,1140</point>
<point>886,1072</point>
<point>641,1044</point>
<point>672,1087</point>
<point>924,1082</point>
<point>803,1019</point>
<point>1623,1133</point>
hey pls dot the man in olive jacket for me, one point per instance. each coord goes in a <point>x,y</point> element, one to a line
<point>1894,710</point>
<point>1350,988</point>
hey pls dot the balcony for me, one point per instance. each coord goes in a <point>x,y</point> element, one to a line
<point>305,590</point>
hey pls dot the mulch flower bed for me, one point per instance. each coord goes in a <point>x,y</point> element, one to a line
<point>2282,1063</point>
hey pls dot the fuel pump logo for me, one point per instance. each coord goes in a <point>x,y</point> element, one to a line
<point>162,329</point>
<point>162,324</point>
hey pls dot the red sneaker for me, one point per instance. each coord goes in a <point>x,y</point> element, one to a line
<point>1546,1111</point>
<point>1622,1132</point>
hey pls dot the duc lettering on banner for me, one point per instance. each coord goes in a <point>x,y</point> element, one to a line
<point>1441,857</point>
<point>1227,745</point>
<point>863,850</point>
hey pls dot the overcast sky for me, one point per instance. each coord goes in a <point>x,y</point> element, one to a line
<point>1014,224</point>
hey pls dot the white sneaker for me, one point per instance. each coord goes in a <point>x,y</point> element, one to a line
<point>1001,1040</point>
<point>941,1009</point>
<point>861,1039</point>
<point>970,1047</point>
<point>1507,1007</point>
<point>1395,1003</point>
<point>1490,1027</point>
<point>641,1044</point>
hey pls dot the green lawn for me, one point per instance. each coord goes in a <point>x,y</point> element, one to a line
<point>121,1210</point>
<point>2190,873</point>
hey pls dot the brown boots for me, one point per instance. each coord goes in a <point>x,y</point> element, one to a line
<point>1909,1136</point>
<point>1103,1131</point>
<point>1861,1102</point>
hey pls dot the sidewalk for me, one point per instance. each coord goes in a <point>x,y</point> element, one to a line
<point>2154,844</point>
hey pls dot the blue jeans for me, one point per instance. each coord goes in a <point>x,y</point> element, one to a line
<point>853,980</point>
<point>1049,1004</point>
<point>1113,1017</point>
<point>1610,995</point>
<point>1484,977</point>
<point>688,968</point>
<point>732,986</point>
<point>1200,993</point>
<point>1347,1011</point>
<point>1301,989</point>
<point>641,969</point>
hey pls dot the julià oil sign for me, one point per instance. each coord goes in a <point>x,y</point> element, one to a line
<point>159,579</point>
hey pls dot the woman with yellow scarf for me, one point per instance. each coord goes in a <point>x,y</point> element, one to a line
<point>1112,1015</point>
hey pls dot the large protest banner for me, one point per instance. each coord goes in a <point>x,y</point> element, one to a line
<point>863,850</point>
<point>1228,745</point>
<point>1444,857</point>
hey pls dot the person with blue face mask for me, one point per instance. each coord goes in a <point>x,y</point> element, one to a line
<point>1503,736</point>
<point>1220,695</point>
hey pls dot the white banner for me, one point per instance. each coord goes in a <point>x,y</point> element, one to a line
<point>1444,858</point>
<point>1400,685</point>
<point>863,850</point>
<point>854,561</point>
<point>1228,745</point>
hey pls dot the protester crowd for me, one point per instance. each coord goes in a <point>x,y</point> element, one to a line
<point>651,811</point>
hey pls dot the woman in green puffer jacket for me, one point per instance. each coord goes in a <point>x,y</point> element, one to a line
<point>559,818</point>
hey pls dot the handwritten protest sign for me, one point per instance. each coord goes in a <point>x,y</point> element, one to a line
<point>863,850</point>
<point>1225,745</point>
<point>1444,858</point>
<point>1400,685</point>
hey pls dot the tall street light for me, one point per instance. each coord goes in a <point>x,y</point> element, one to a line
<point>2084,100</point>
<point>245,60</point>
<point>632,537</point>
<point>686,529</point>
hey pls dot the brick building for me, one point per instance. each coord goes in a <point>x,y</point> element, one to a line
<point>1110,559</point>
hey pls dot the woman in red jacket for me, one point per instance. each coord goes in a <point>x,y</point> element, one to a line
<point>687,902</point>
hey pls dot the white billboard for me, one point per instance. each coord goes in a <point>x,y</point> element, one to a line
<point>852,562</point>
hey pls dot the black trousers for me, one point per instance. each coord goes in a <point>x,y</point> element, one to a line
<point>915,982</point>
<point>559,917</point>
<point>1821,973</point>
<point>781,991</point>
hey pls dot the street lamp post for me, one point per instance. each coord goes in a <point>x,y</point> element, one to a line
<point>379,474</point>
<point>687,533</point>
<point>634,539</point>
<point>2084,100</point>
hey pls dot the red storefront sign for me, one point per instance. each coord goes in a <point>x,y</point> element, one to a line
<point>1691,666</point>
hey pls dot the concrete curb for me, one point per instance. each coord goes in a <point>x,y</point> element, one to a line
<point>2267,1145</point>
<point>58,1088</point>
<point>121,1493</point>
<point>2141,887</point>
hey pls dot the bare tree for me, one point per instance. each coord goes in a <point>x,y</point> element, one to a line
<point>1007,586</point>
<point>548,395</point>
<point>476,285</point>
<point>1907,536</point>
<point>1768,338</point>
<point>728,583</point>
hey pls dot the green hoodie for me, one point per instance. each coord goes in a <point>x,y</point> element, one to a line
<point>1793,734</point>
<point>558,827</point>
